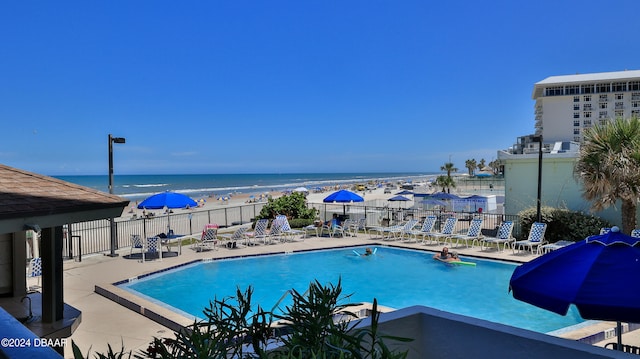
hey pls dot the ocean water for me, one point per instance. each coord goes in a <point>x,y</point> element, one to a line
<point>136,187</point>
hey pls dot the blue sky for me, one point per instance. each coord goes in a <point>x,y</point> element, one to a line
<point>287,86</point>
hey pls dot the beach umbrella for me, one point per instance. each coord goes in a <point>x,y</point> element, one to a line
<point>167,199</point>
<point>343,196</point>
<point>598,275</point>
<point>404,192</point>
<point>301,189</point>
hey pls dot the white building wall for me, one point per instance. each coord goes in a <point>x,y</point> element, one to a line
<point>556,111</point>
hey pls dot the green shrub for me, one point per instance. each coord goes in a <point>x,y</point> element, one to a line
<point>562,224</point>
<point>232,329</point>
<point>301,222</point>
<point>293,206</point>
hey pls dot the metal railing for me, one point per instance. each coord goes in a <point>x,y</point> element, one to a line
<point>94,237</point>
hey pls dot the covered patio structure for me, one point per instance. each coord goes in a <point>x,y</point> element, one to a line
<point>44,205</point>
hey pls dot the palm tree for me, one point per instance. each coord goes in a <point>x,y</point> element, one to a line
<point>482,163</point>
<point>609,167</point>
<point>449,167</point>
<point>471,165</point>
<point>446,183</point>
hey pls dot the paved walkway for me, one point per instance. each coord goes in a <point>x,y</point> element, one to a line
<point>106,322</point>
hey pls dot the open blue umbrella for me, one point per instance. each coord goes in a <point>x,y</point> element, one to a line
<point>343,196</point>
<point>598,275</point>
<point>167,199</point>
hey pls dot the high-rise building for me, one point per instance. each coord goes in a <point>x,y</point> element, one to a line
<point>567,105</point>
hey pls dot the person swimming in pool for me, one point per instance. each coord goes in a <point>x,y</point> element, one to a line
<point>445,256</point>
<point>368,252</point>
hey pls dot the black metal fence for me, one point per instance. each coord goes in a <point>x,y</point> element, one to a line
<point>94,236</point>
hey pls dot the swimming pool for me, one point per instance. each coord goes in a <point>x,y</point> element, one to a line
<point>398,278</point>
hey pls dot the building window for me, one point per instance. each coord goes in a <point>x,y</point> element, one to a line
<point>586,114</point>
<point>635,113</point>
<point>619,106</point>
<point>619,113</point>
<point>635,96</point>
<point>586,98</point>
<point>619,86</point>
<point>603,97</point>
<point>603,105</point>
<point>603,121</point>
<point>576,123</point>
<point>587,123</point>
<point>576,131</point>
<point>602,114</point>
<point>634,86</point>
<point>554,91</point>
<point>576,107</point>
<point>587,107</point>
<point>572,90</point>
<point>635,104</point>
<point>587,89</point>
<point>576,138</point>
<point>576,98</point>
<point>603,88</point>
<point>619,96</point>
<point>576,115</point>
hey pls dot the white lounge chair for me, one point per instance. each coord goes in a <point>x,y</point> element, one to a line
<point>473,234</point>
<point>402,231</point>
<point>446,231</point>
<point>287,231</point>
<point>425,230</point>
<point>35,271</point>
<point>535,240</point>
<point>503,237</point>
<point>231,240</point>
<point>208,240</point>
<point>259,232</point>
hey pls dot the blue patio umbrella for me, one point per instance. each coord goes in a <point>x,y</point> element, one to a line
<point>167,199</point>
<point>404,192</point>
<point>343,196</point>
<point>598,275</point>
<point>398,198</point>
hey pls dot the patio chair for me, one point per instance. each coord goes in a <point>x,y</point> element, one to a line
<point>231,240</point>
<point>446,231</point>
<point>208,240</point>
<point>289,232</point>
<point>473,234</point>
<point>535,240</point>
<point>402,231</point>
<point>153,246</point>
<point>361,225</point>
<point>136,245</point>
<point>503,237</point>
<point>35,271</point>
<point>259,232</point>
<point>425,230</point>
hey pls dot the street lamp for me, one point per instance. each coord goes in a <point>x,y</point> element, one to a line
<point>539,200</point>
<point>112,223</point>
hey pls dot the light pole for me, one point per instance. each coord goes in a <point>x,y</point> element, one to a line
<point>112,223</point>
<point>539,199</point>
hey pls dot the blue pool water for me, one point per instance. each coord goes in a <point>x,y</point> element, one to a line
<point>398,278</point>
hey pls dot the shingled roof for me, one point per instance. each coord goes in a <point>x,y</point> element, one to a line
<point>24,194</point>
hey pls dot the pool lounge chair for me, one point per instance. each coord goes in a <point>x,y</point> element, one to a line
<point>287,232</point>
<point>446,232</point>
<point>259,233</point>
<point>404,230</point>
<point>504,237</point>
<point>230,240</point>
<point>136,245</point>
<point>473,234</point>
<point>535,240</point>
<point>424,231</point>
<point>35,270</point>
<point>208,240</point>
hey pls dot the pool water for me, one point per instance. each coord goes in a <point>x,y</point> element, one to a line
<point>398,278</point>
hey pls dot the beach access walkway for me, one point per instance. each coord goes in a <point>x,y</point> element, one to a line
<point>105,322</point>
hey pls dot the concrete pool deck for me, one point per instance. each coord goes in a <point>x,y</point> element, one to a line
<point>107,322</point>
